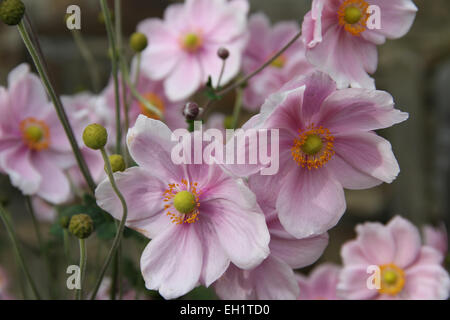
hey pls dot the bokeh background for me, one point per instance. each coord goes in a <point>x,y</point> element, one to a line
<point>414,69</point>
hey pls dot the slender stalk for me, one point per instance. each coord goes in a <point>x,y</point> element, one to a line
<point>254,73</point>
<point>88,57</point>
<point>138,96</point>
<point>222,70</point>
<point>18,253</point>
<point>119,233</point>
<point>237,107</point>
<point>138,68</point>
<point>57,104</point>
<point>261,68</point>
<point>83,258</point>
<point>114,61</point>
<point>42,248</point>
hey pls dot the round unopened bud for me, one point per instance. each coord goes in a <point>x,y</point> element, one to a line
<point>95,136</point>
<point>81,226</point>
<point>191,111</point>
<point>64,222</point>
<point>138,41</point>
<point>101,17</point>
<point>11,11</point>
<point>228,122</point>
<point>223,53</point>
<point>117,163</point>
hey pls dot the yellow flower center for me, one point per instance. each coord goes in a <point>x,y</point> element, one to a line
<point>279,62</point>
<point>154,100</point>
<point>313,147</point>
<point>35,134</point>
<point>392,279</point>
<point>182,202</point>
<point>192,42</point>
<point>353,16</point>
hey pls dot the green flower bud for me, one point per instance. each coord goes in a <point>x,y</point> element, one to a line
<point>101,17</point>
<point>81,226</point>
<point>95,136</point>
<point>138,41</point>
<point>11,11</point>
<point>228,122</point>
<point>117,163</point>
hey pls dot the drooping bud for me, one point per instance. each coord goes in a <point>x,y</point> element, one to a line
<point>138,42</point>
<point>191,111</point>
<point>223,53</point>
<point>117,163</point>
<point>11,11</point>
<point>95,136</point>
<point>81,226</point>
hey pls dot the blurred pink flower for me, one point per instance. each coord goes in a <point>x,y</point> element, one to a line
<point>274,278</point>
<point>183,47</point>
<point>408,270</point>
<point>198,217</point>
<point>264,42</point>
<point>320,284</point>
<point>326,143</point>
<point>105,290</point>
<point>436,237</point>
<point>84,109</point>
<point>340,43</point>
<point>34,150</point>
<point>4,286</point>
<point>153,91</point>
<point>45,212</point>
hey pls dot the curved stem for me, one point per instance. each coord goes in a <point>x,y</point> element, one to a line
<point>86,54</point>
<point>57,104</point>
<point>237,107</point>
<point>18,253</point>
<point>222,70</point>
<point>114,60</point>
<point>83,258</point>
<point>119,233</point>
<point>254,73</point>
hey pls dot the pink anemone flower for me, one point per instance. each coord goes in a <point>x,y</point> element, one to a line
<point>183,47</point>
<point>34,150</point>
<point>274,278</point>
<point>263,43</point>
<point>320,284</point>
<point>389,262</point>
<point>326,143</point>
<point>436,237</point>
<point>341,36</point>
<point>199,218</point>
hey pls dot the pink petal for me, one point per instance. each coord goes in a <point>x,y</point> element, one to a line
<point>354,109</point>
<point>54,187</point>
<point>397,17</point>
<point>436,238</point>
<point>353,284</point>
<point>353,254</point>
<point>321,284</point>
<point>318,203</point>
<point>143,193</point>
<point>377,243</point>
<point>18,164</point>
<point>171,263</point>
<point>185,79</point>
<point>407,241</point>
<point>150,145</point>
<point>242,231</point>
<point>430,282</point>
<point>368,153</point>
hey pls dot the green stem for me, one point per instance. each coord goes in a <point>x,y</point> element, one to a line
<point>138,68</point>
<point>88,57</point>
<point>119,233</point>
<point>66,245</point>
<point>42,247</point>
<point>237,106</point>
<point>222,70</point>
<point>18,253</point>
<point>83,258</point>
<point>57,104</point>
<point>114,60</point>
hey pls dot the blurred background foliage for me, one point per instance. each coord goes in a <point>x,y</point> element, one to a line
<point>414,69</point>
